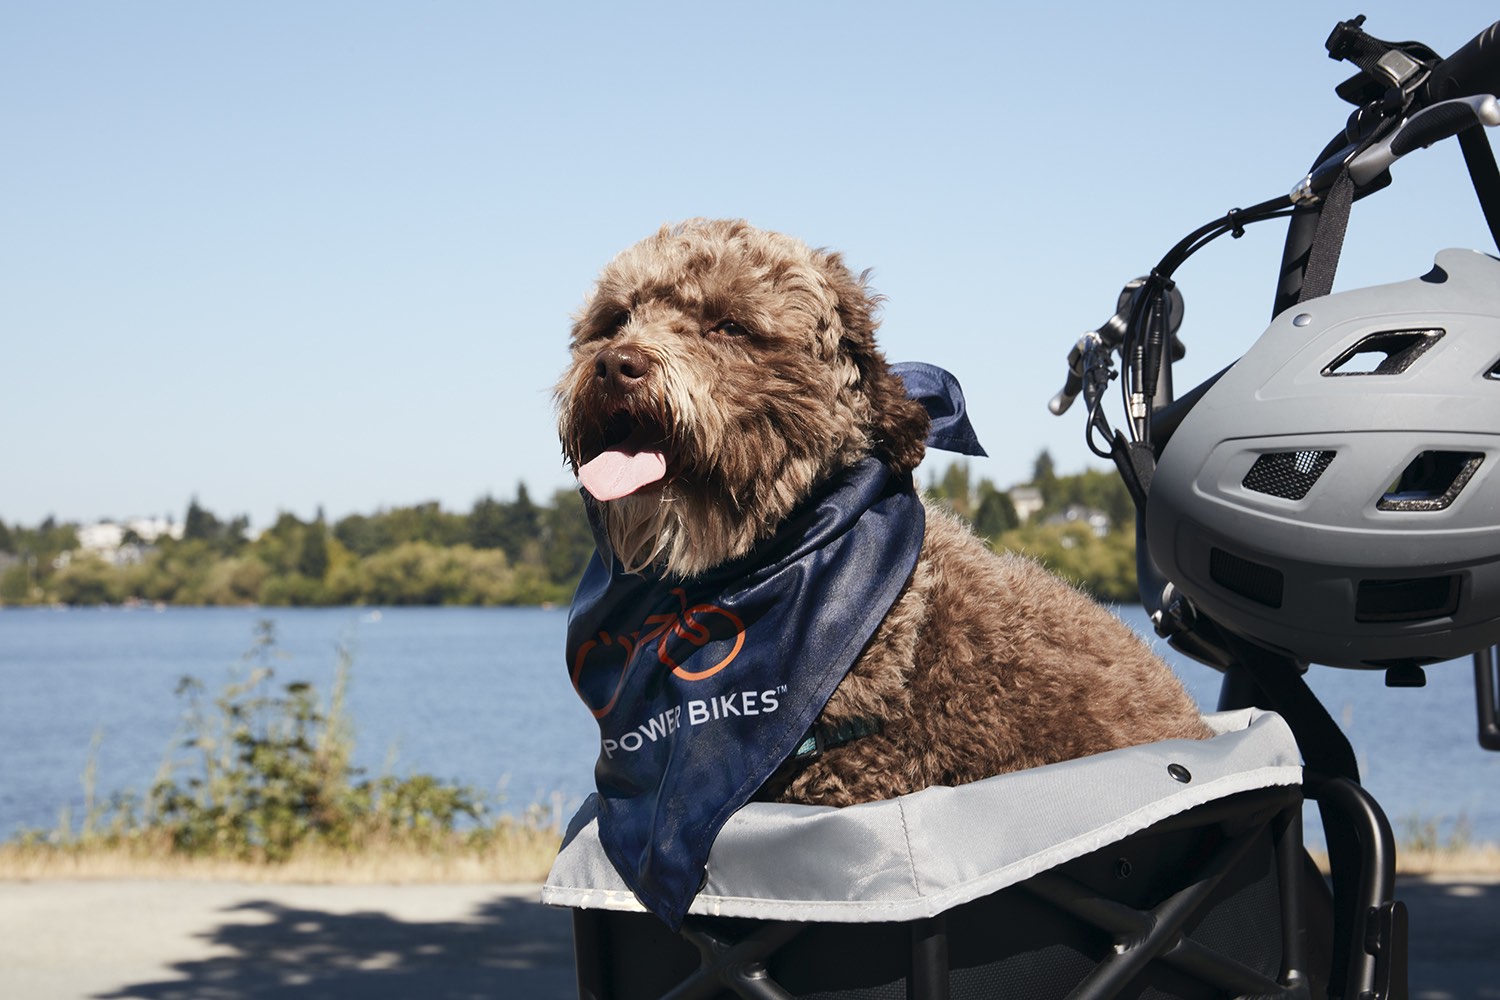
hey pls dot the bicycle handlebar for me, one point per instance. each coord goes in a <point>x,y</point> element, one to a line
<point>1473,69</point>
<point>1431,124</point>
<point>1458,93</point>
<point>1110,334</point>
<point>1073,385</point>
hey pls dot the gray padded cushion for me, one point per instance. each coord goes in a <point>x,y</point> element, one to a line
<point>917,855</point>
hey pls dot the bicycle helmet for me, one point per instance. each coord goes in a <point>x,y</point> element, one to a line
<point>1336,494</point>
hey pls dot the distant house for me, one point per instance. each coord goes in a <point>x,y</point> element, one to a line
<point>106,539</point>
<point>1027,500</point>
<point>1077,513</point>
<point>106,536</point>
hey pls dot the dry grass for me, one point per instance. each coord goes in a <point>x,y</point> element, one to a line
<point>1480,859</point>
<point>517,853</point>
<point>1477,860</point>
<point>1449,859</point>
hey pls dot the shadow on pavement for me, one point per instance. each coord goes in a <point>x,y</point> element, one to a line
<point>509,948</point>
<point>1455,938</point>
<point>516,948</point>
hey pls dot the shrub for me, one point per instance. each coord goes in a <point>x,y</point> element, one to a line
<point>267,772</point>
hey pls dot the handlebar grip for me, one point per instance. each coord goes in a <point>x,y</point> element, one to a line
<point>1423,129</point>
<point>1442,120</point>
<point>1071,388</point>
<point>1473,69</point>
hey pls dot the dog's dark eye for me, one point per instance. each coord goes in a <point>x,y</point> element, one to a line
<point>613,324</point>
<point>731,328</point>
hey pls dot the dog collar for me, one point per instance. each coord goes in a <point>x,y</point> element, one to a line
<point>823,737</point>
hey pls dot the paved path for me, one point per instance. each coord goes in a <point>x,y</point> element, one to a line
<point>1455,937</point>
<point>223,940</point>
<point>127,940</point>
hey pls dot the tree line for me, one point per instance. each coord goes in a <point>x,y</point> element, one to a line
<point>1100,563</point>
<point>500,552</point>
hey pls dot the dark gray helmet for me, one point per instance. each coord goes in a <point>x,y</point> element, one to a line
<point>1336,493</point>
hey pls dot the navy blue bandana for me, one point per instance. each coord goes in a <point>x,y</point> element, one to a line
<point>704,686</point>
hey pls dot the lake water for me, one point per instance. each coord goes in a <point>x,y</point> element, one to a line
<point>481,696</point>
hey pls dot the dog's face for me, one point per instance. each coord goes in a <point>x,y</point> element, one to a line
<point>718,374</point>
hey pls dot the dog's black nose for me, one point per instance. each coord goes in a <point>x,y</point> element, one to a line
<point>619,368</point>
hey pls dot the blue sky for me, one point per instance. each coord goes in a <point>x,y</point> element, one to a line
<point>284,256</point>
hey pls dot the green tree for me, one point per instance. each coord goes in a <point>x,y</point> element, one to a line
<point>235,534</point>
<point>1095,488</point>
<point>47,540</point>
<point>569,542</point>
<point>952,489</point>
<point>424,522</point>
<point>995,513</point>
<point>1103,567</point>
<point>956,490</point>
<point>236,580</point>
<point>487,523</point>
<point>15,583</point>
<point>199,524</point>
<point>361,535</point>
<point>280,545</point>
<point>175,573</point>
<point>521,526</point>
<point>86,581</point>
<point>420,573</point>
<point>312,552</point>
<point>1044,475</point>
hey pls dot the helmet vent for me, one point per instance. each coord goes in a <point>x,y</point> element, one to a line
<point>1261,584</point>
<point>1432,481</point>
<point>1287,474</point>
<point>1390,352</point>
<point>1406,600</point>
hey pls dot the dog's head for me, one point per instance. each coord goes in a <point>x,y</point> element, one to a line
<point>719,373</point>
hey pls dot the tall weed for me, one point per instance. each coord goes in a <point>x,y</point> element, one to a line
<point>264,771</point>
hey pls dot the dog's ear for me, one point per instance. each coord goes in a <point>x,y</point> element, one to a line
<point>898,424</point>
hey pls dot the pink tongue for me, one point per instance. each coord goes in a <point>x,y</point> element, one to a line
<point>615,474</point>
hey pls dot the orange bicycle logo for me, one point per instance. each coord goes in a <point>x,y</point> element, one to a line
<point>689,624</point>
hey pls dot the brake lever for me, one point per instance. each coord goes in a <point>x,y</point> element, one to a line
<point>1432,124</point>
<point>1110,335</point>
<point>1060,403</point>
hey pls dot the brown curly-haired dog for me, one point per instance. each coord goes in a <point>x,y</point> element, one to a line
<point>740,367</point>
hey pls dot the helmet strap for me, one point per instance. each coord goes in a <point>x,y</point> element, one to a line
<point>1333,216</point>
<point>1480,159</point>
<point>1328,238</point>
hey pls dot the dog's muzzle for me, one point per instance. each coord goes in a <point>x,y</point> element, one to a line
<point>629,458</point>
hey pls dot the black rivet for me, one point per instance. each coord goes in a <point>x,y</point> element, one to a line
<point>1180,773</point>
<point>1122,868</point>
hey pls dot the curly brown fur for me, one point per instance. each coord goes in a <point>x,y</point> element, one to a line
<point>761,379</point>
<point>749,361</point>
<point>988,663</point>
